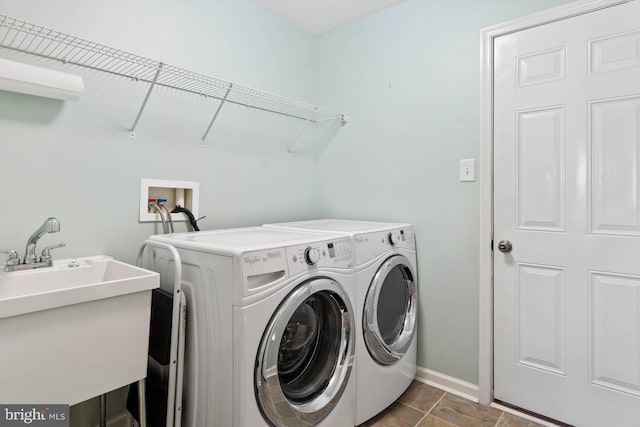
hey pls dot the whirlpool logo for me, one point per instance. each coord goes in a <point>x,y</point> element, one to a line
<point>34,415</point>
<point>252,259</point>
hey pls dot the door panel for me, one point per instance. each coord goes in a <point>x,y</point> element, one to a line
<point>615,151</point>
<point>541,67</point>
<point>615,333</point>
<point>542,317</point>
<point>614,53</point>
<point>540,169</point>
<point>567,196</point>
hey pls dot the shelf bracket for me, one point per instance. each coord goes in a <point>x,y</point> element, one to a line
<point>306,123</point>
<point>146,99</point>
<point>215,115</point>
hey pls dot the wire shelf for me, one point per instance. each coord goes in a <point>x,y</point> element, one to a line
<point>22,36</point>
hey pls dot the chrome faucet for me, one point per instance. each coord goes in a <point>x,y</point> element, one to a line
<point>51,225</point>
<point>31,260</point>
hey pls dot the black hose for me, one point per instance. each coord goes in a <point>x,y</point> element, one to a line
<point>187,212</point>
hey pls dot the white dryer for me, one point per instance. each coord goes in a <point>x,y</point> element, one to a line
<point>269,326</point>
<point>386,307</point>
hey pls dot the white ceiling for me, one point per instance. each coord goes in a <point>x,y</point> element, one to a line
<point>319,16</point>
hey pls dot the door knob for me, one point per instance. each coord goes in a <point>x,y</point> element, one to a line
<point>505,246</point>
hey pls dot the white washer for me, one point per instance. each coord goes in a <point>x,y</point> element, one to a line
<point>386,308</point>
<point>269,326</point>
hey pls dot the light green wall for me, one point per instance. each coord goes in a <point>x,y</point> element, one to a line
<point>409,75</point>
<point>76,161</point>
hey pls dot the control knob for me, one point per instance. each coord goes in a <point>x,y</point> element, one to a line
<point>311,255</point>
<point>392,239</point>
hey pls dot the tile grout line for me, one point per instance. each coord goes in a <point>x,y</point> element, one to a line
<point>501,416</point>
<point>436,404</point>
<point>420,420</point>
<point>412,407</point>
<point>421,410</point>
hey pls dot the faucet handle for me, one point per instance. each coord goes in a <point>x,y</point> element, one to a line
<point>46,252</point>
<point>13,259</point>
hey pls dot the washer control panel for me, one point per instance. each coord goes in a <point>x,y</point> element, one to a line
<point>325,254</point>
<point>370,245</point>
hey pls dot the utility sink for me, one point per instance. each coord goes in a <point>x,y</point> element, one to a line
<point>73,331</point>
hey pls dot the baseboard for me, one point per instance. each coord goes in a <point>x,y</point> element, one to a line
<point>447,383</point>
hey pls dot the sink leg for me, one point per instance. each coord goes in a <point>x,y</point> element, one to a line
<point>103,410</point>
<point>142,403</point>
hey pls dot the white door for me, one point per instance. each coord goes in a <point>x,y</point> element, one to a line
<point>567,197</point>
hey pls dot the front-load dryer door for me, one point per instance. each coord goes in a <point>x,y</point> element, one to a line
<point>390,311</point>
<point>306,354</point>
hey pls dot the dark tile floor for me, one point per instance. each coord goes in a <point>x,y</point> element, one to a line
<point>425,406</point>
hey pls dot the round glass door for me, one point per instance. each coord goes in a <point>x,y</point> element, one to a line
<point>306,354</point>
<point>390,311</point>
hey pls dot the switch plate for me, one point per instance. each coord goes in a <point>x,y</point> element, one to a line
<point>467,170</point>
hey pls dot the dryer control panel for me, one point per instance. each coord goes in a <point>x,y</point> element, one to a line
<point>369,245</point>
<point>325,254</point>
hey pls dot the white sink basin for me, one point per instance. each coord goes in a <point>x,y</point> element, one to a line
<point>94,278</point>
<point>71,333</point>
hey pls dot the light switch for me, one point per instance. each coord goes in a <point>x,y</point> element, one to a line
<point>467,170</point>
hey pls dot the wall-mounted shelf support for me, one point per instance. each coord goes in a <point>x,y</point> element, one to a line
<point>146,99</point>
<point>215,116</point>
<point>31,39</point>
<point>295,138</point>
